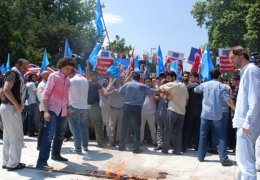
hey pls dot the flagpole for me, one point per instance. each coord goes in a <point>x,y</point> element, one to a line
<point>104,23</point>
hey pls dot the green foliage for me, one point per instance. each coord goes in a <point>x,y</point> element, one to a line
<point>27,27</point>
<point>118,46</point>
<point>229,22</point>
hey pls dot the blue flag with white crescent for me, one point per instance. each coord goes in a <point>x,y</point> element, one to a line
<point>67,52</point>
<point>113,70</point>
<point>175,67</point>
<point>7,67</point>
<point>93,56</point>
<point>45,61</point>
<point>160,66</point>
<point>80,71</point>
<point>98,19</point>
<point>206,64</point>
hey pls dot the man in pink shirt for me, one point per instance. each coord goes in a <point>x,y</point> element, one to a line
<point>55,103</point>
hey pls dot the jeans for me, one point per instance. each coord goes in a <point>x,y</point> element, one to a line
<point>40,131</point>
<point>174,124</point>
<point>220,135</point>
<point>160,122</point>
<point>30,118</point>
<point>79,127</point>
<point>54,129</point>
<point>131,122</point>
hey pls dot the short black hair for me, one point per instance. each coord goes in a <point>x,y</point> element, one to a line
<point>185,72</point>
<point>136,76</point>
<point>162,75</point>
<point>171,73</point>
<point>195,74</point>
<point>148,78</point>
<point>66,62</point>
<point>215,73</point>
<point>21,61</point>
<point>31,76</point>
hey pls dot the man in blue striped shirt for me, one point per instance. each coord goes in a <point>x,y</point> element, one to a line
<point>247,115</point>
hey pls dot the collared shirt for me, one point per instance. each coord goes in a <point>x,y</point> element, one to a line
<point>40,90</point>
<point>134,92</point>
<point>31,89</point>
<point>78,92</point>
<point>56,93</point>
<point>179,94</point>
<point>215,94</point>
<point>248,99</point>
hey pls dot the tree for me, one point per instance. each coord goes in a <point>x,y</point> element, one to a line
<point>27,27</point>
<point>229,22</point>
<point>118,46</point>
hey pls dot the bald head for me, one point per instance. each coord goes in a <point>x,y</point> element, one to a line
<point>45,75</point>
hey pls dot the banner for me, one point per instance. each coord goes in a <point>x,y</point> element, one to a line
<point>225,65</point>
<point>223,51</point>
<point>175,55</point>
<point>180,65</point>
<point>192,56</point>
<point>104,61</point>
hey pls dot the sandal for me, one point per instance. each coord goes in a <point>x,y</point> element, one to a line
<point>19,166</point>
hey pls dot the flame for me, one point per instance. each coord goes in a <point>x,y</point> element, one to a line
<point>108,170</point>
<point>120,169</point>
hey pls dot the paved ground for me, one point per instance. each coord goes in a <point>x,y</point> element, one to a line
<point>148,165</point>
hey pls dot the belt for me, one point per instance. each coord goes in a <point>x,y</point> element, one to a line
<point>115,108</point>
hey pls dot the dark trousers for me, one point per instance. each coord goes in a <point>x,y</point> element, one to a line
<point>29,121</point>
<point>191,128</point>
<point>40,131</point>
<point>173,128</point>
<point>131,122</point>
<point>54,129</point>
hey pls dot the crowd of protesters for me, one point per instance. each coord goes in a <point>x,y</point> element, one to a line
<point>168,114</point>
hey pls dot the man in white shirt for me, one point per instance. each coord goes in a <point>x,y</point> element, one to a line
<point>30,105</point>
<point>78,103</point>
<point>246,118</point>
<point>40,88</point>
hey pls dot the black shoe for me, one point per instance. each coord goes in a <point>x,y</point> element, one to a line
<point>158,148</point>
<point>44,167</point>
<point>19,166</point>
<point>227,163</point>
<point>4,167</point>
<point>138,151</point>
<point>177,153</point>
<point>165,151</point>
<point>201,160</point>
<point>59,158</point>
<point>121,148</point>
<point>33,135</point>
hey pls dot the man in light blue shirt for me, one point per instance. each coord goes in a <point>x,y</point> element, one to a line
<point>214,95</point>
<point>247,115</point>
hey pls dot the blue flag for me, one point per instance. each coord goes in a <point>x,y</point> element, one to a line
<point>7,67</point>
<point>206,64</point>
<point>98,19</point>
<point>175,67</point>
<point>160,66</point>
<point>136,65</point>
<point>113,70</point>
<point>93,56</point>
<point>193,52</point>
<point>2,69</point>
<point>67,52</point>
<point>124,63</point>
<point>45,61</point>
<point>80,71</point>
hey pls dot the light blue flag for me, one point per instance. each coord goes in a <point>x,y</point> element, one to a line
<point>98,19</point>
<point>175,67</point>
<point>113,70</point>
<point>80,71</point>
<point>136,66</point>
<point>7,67</point>
<point>206,64</point>
<point>160,66</point>
<point>67,52</point>
<point>93,56</point>
<point>45,61</point>
<point>2,69</point>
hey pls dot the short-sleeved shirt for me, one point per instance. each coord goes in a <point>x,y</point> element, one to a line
<point>134,93</point>
<point>31,88</point>
<point>93,94</point>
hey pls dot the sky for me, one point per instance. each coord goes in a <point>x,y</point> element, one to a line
<point>146,24</point>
